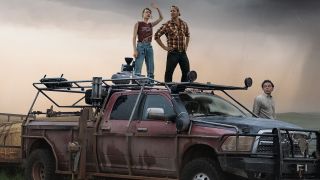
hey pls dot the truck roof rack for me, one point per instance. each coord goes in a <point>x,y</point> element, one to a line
<point>100,88</point>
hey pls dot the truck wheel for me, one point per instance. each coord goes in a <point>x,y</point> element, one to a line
<point>201,169</point>
<point>40,165</point>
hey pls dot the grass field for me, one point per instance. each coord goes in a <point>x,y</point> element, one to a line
<point>306,120</point>
<point>11,173</point>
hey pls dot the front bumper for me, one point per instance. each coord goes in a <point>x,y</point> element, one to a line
<point>266,168</point>
<point>280,160</point>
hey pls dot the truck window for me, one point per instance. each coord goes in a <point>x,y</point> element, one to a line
<point>199,104</point>
<point>158,101</point>
<point>123,107</point>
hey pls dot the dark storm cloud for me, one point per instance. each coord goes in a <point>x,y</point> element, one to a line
<point>254,13</point>
<point>129,8</point>
<point>219,14</point>
<point>73,14</point>
<point>77,15</point>
<point>300,19</point>
<point>120,6</point>
<point>294,18</point>
<point>308,93</point>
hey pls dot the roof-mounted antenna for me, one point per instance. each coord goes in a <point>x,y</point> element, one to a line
<point>61,75</point>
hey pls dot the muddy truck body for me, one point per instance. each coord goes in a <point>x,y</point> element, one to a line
<point>134,128</point>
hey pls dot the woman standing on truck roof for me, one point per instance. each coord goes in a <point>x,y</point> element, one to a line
<point>142,49</point>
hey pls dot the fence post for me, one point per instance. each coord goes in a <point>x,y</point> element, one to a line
<point>9,115</point>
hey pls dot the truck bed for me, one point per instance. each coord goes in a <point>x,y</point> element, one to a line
<point>10,137</point>
<point>10,142</point>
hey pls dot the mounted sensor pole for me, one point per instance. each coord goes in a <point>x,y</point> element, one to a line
<point>96,91</point>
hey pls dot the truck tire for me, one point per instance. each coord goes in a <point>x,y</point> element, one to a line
<point>201,169</point>
<point>40,165</point>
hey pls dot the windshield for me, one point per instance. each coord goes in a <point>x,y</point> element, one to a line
<point>204,104</point>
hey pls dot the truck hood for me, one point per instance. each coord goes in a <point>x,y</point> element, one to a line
<point>254,125</point>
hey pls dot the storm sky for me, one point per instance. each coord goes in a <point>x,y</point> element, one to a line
<point>230,40</point>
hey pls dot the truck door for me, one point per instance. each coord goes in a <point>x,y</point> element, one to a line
<point>113,140</point>
<point>153,144</point>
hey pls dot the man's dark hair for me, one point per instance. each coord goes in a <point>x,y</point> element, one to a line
<point>267,81</point>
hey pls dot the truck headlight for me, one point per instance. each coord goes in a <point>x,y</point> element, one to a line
<point>240,143</point>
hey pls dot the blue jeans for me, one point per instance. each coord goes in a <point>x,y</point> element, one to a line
<point>145,52</point>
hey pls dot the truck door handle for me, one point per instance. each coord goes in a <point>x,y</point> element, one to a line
<point>108,128</point>
<point>142,129</point>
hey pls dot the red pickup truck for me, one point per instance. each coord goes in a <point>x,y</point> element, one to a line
<point>132,128</point>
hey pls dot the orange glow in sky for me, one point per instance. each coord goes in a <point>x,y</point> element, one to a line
<point>95,42</point>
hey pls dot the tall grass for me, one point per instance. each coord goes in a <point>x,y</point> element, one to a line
<point>11,173</point>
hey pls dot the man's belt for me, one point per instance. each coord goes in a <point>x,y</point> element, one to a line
<point>178,50</point>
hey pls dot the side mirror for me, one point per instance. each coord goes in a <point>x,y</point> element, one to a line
<point>248,82</point>
<point>155,113</point>
<point>182,121</point>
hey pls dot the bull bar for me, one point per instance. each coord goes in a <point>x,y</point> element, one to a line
<point>278,164</point>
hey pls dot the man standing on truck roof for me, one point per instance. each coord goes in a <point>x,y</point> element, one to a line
<point>264,105</point>
<point>177,33</point>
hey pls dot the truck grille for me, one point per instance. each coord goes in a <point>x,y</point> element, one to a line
<point>264,145</point>
<point>264,148</point>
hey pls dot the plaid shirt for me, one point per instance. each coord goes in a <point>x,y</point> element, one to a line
<point>175,34</point>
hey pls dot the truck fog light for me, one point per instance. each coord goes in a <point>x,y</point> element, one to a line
<point>244,143</point>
